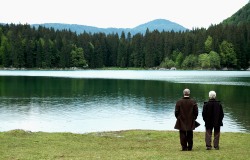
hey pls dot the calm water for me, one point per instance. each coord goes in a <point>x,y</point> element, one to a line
<point>88,101</point>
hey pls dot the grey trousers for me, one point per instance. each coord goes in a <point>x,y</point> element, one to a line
<point>208,137</point>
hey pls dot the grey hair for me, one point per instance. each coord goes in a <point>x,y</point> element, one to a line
<point>212,95</point>
<point>186,92</point>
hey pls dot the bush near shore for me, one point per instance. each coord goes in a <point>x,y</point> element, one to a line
<point>131,144</point>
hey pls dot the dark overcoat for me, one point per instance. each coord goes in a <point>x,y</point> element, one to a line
<point>186,112</point>
<point>212,114</point>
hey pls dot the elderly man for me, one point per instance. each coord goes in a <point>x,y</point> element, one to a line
<point>186,112</point>
<point>212,114</point>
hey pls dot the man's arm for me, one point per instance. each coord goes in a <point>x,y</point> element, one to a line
<point>195,111</point>
<point>204,110</point>
<point>221,113</point>
<point>177,110</point>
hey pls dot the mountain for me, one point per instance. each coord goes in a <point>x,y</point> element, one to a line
<point>241,16</point>
<point>159,24</point>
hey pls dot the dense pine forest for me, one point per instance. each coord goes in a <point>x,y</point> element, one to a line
<point>219,46</point>
<point>222,46</point>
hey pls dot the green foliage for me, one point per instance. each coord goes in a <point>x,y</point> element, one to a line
<point>122,55</point>
<point>190,62</point>
<point>179,59</point>
<point>204,60</point>
<point>24,47</point>
<point>167,63</point>
<point>228,55</point>
<point>4,51</point>
<point>175,55</point>
<point>77,57</point>
<point>214,60</point>
<point>208,44</point>
<point>175,61</point>
<point>137,51</point>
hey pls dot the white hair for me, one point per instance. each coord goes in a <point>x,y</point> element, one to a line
<point>186,92</point>
<point>212,95</point>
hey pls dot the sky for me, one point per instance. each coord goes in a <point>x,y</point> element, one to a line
<point>118,13</point>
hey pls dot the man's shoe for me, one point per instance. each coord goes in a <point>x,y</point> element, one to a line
<point>216,148</point>
<point>209,148</point>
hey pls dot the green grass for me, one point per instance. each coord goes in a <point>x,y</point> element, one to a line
<point>132,144</point>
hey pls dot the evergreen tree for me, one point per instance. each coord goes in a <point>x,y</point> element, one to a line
<point>39,53</point>
<point>137,57</point>
<point>122,56</point>
<point>47,54</point>
<point>112,49</point>
<point>5,51</point>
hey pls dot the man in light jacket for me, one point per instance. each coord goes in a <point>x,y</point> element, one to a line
<point>186,112</point>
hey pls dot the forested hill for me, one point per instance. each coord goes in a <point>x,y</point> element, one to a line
<point>218,47</point>
<point>158,24</point>
<point>241,16</point>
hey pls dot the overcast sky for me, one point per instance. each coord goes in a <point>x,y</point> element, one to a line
<point>118,13</point>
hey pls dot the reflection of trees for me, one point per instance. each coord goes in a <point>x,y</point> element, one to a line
<point>236,101</point>
<point>155,96</point>
<point>38,86</point>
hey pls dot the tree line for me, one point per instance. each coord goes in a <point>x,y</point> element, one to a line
<point>219,46</point>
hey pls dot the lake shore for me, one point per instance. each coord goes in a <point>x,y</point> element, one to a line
<point>129,144</point>
<point>118,68</point>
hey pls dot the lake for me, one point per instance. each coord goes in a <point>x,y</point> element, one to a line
<point>106,100</point>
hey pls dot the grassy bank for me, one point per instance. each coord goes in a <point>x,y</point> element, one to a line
<point>134,144</point>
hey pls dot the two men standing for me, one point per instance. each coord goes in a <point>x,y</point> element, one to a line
<point>186,112</point>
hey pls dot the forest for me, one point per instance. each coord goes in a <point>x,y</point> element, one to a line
<point>218,47</point>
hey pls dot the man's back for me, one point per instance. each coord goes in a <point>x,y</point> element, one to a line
<point>212,113</point>
<point>186,111</point>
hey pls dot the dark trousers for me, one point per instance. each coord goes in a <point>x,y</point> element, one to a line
<point>208,137</point>
<point>186,139</point>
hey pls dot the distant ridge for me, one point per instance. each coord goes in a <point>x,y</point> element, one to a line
<point>158,24</point>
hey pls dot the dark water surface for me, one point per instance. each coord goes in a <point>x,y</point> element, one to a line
<point>88,101</point>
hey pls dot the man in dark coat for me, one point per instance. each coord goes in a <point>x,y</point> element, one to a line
<point>212,115</point>
<point>186,112</point>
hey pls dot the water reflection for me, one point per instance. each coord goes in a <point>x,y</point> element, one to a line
<point>79,105</point>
